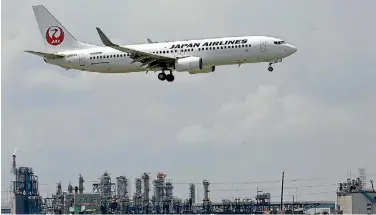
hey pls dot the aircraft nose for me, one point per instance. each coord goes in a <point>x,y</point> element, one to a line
<point>291,49</point>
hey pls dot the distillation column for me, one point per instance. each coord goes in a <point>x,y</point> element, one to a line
<point>81,184</point>
<point>146,193</point>
<point>206,200</point>
<point>192,193</point>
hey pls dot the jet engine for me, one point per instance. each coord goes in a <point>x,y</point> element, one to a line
<point>188,64</point>
<point>204,70</point>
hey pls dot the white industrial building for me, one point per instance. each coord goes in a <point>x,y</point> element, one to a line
<point>357,203</point>
<point>354,198</point>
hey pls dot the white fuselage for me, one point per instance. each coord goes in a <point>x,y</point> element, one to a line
<point>214,52</point>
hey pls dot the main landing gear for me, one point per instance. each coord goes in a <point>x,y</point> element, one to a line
<point>270,68</point>
<point>163,76</point>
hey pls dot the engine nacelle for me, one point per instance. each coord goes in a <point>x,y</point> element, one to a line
<point>188,64</point>
<point>204,70</point>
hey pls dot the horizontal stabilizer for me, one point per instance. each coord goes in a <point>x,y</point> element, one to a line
<point>46,55</point>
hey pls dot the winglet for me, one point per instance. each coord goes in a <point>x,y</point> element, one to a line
<point>149,40</point>
<point>104,38</point>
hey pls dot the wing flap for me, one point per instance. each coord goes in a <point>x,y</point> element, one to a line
<point>46,55</point>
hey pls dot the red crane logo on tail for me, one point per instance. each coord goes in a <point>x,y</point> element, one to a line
<point>55,35</point>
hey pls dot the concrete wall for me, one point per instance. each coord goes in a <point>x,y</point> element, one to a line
<point>345,204</point>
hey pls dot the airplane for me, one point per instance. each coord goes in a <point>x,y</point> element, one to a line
<point>192,56</point>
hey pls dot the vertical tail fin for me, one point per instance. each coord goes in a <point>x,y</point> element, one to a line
<point>55,37</point>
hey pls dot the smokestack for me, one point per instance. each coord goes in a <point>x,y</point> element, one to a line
<point>14,164</point>
<point>14,167</point>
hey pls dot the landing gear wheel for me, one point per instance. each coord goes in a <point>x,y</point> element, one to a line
<point>162,76</point>
<point>270,69</point>
<point>170,77</point>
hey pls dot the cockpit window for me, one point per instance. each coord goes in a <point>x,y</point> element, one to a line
<point>279,42</point>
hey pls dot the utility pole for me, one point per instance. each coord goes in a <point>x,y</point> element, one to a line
<point>293,204</point>
<point>283,177</point>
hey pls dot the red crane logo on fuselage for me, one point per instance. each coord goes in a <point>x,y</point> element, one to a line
<point>55,35</point>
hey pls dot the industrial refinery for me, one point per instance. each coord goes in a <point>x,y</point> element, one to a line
<point>111,195</point>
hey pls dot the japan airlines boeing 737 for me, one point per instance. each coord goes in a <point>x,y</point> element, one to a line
<point>193,56</point>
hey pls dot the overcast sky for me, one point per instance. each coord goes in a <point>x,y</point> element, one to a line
<point>314,117</point>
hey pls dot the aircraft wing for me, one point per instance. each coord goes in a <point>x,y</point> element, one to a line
<point>152,60</point>
<point>46,55</point>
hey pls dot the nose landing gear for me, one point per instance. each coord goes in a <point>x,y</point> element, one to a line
<point>270,68</point>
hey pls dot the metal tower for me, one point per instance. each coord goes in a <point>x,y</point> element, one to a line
<point>192,193</point>
<point>146,193</point>
<point>81,184</point>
